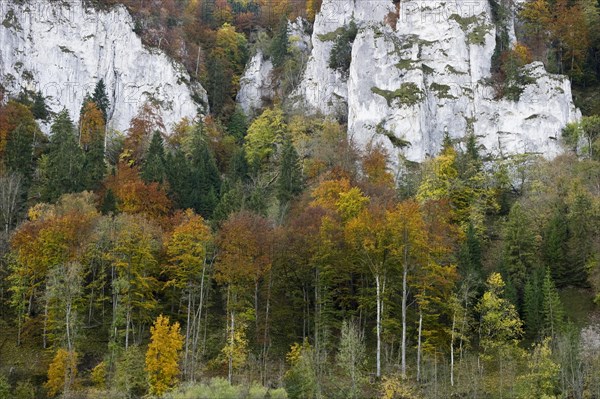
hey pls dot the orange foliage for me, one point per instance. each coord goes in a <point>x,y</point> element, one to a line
<point>140,131</point>
<point>91,125</point>
<point>11,115</point>
<point>135,196</point>
<point>245,249</point>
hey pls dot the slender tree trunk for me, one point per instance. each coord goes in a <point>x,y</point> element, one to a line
<point>419,344</point>
<point>266,332</point>
<point>45,332</point>
<point>378,323</point>
<point>187,334</point>
<point>404,305</point>
<point>452,349</point>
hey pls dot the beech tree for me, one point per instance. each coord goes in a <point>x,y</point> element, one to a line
<point>162,357</point>
<point>188,251</point>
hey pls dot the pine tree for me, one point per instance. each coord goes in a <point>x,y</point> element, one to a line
<point>100,97</point>
<point>162,357</point>
<point>553,311</point>
<point>63,166</point>
<point>289,183</point>
<point>153,167</point>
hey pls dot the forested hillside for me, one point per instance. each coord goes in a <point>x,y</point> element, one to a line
<point>267,255</point>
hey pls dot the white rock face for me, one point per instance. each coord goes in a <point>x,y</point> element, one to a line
<point>429,75</point>
<point>256,85</point>
<point>64,48</point>
<point>322,88</point>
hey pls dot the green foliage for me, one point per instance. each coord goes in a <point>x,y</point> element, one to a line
<point>351,359</point>
<point>63,166</point>
<point>100,98</point>
<point>4,388</point>
<point>407,95</point>
<point>279,44</point>
<point>553,312</point>
<point>533,304</point>
<point>289,182</point>
<point>39,108</point>
<point>341,52</point>
<point>264,134</point>
<point>542,377</point>
<point>301,380</point>
<point>153,168</point>
<point>519,248</point>
<point>24,390</point>
<point>500,326</point>
<point>129,377</point>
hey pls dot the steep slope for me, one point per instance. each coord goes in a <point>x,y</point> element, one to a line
<point>427,73</point>
<point>63,49</point>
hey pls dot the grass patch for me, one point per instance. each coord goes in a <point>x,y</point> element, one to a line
<point>331,36</point>
<point>408,94</point>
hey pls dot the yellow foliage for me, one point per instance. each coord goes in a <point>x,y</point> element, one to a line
<point>162,357</point>
<point>62,372</point>
<point>99,375</point>
<point>394,387</point>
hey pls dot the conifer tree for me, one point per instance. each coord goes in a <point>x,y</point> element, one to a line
<point>289,183</point>
<point>100,97</point>
<point>153,167</point>
<point>279,44</point>
<point>519,248</point>
<point>533,301</point>
<point>39,108</point>
<point>555,247</point>
<point>553,311</point>
<point>63,167</point>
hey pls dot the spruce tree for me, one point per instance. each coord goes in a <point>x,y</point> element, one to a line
<point>153,167</point>
<point>553,311</point>
<point>469,258</point>
<point>582,227</point>
<point>519,248</point>
<point>39,108</point>
<point>555,247</point>
<point>279,45</point>
<point>100,97</point>
<point>19,151</point>
<point>289,183</point>
<point>63,165</point>
<point>533,302</point>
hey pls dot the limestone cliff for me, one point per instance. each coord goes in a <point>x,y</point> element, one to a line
<point>63,48</point>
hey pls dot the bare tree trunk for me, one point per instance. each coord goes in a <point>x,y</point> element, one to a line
<point>378,323</point>
<point>452,349</point>
<point>404,305</point>
<point>419,345</point>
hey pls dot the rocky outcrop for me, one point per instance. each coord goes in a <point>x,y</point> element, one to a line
<point>257,85</point>
<point>63,48</point>
<point>424,69</point>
